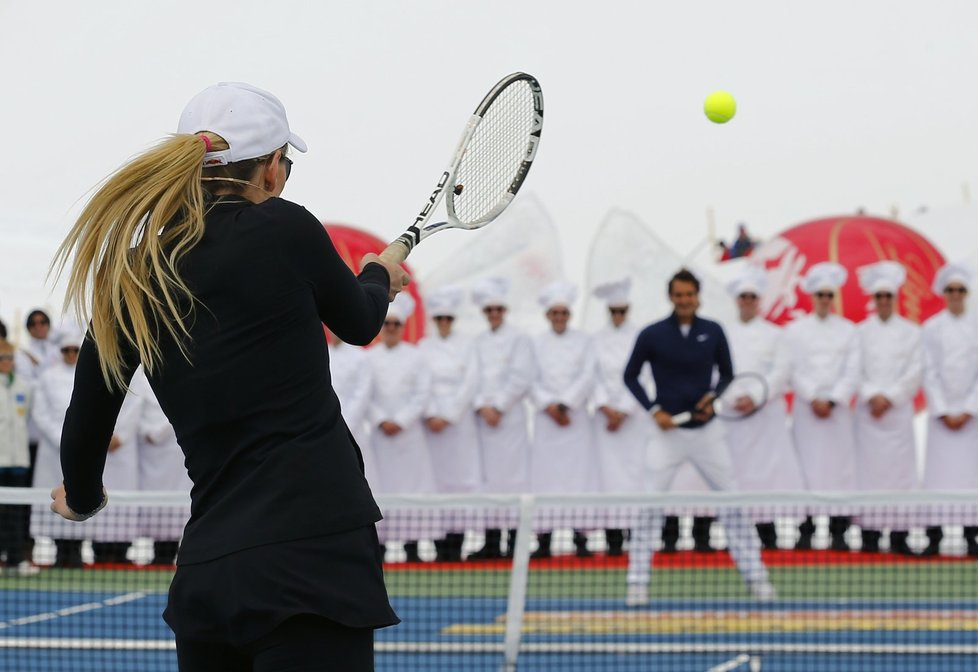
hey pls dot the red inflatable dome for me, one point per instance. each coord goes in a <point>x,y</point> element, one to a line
<point>854,242</point>
<point>352,244</point>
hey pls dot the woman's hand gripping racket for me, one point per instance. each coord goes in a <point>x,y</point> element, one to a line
<point>745,396</point>
<point>489,165</point>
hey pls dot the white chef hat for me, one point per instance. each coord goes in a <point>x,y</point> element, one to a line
<point>751,279</point>
<point>824,275</point>
<point>560,293</point>
<point>615,292</point>
<point>952,272</point>
<point>444,301</point>
<point>401,307</point>
<point>883,276</point>
<point>491,292</point>
<point>70,336</point>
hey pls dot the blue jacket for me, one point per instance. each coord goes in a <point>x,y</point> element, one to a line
<point>682,366</point>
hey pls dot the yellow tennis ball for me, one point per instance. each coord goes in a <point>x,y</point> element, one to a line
<point>720,107</point>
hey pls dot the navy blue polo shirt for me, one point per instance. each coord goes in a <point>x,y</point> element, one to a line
<point>682,366</point>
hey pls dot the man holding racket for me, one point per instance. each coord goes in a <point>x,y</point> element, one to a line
<point>684,351</point>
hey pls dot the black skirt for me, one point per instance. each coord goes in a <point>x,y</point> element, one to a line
<point>240,597</point>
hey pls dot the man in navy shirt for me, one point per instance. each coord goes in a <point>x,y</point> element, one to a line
<point>685,351</point>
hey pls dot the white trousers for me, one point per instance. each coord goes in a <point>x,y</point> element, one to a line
<point>706,450</point>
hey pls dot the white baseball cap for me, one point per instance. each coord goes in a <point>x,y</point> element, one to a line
<point>251,120</point>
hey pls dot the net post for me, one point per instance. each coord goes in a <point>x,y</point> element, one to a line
<point>517,585</point>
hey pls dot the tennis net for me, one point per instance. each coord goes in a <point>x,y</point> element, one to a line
<point>861,582</point>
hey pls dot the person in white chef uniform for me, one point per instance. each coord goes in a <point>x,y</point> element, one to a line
<point>112,533</point>
<point>396,411</point>
<point>449,418</point>
<point>824,358</point>
<point>504,356</point>
<point>951,386</point>
<point>892,372</point>
<point>562,458</point>
<point>352,381</point>
<point>621,429</point>
<point>760,444</point>
<point>161,468</point>
<point>52,394</point>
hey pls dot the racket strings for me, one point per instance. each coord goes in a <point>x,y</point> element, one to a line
<point>494,154</point>
<point>751,385</point>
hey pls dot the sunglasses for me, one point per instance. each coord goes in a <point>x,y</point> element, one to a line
<point>880,296</point>
<point>6,358</point>
<point>288,165</point>
<point>446,318</point>
<point>618,311</point>
<point>747,296</point>
<point>825,295</point>
<point>493,309</point>
<point>69,349</point>
<point>955,290</point>
<point>392,323</point>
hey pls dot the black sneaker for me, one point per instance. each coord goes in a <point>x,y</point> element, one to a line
<point>804,544</point>
<point>839,544</point>
<point>486,553</point>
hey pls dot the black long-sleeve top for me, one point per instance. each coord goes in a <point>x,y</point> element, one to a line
<point>253,409</point>
<point>682,366</point>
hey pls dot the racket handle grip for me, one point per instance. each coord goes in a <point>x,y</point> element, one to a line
<point>682,418</point>
<point>395,253</point>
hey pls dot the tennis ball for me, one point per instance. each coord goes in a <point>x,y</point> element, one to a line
<point>720,107</point>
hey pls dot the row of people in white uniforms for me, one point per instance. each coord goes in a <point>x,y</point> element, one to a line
<point>855,388</point>
<point>143,454</point>
<point>819,357</point>
<point>451,415</point>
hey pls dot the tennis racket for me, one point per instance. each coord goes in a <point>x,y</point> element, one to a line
<point>745,396</point>
<point>489,165</point>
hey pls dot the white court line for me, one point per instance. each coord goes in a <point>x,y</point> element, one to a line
<point>78,643</point>
<point>122,599</point>
<point>68,611</point>
<point>731,664</point>
<point>625,648</point>
<point>622,648</point>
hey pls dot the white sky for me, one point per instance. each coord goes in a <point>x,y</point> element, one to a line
<point>841,105</point>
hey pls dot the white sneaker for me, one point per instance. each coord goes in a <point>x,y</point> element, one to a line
<point>25,569</point>
<point>763,591</point>
<point>637,595</point>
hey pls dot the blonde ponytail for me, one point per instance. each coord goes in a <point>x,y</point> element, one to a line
<point>126,247</point>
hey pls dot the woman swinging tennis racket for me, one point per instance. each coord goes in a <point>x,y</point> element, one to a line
<point>196,269</point>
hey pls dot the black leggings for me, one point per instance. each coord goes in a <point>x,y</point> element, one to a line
<point>304,643</point>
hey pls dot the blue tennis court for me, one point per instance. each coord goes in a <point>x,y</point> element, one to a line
<point>123,632</point>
